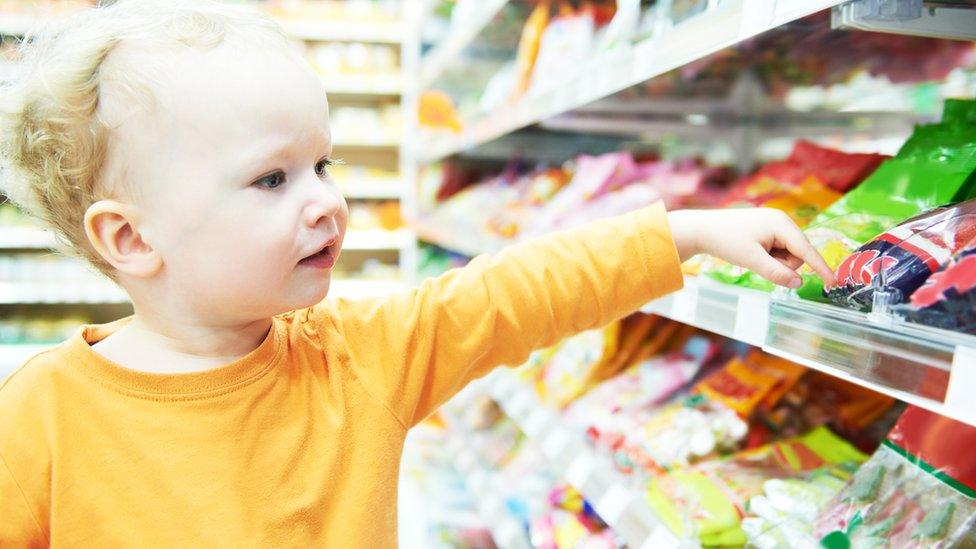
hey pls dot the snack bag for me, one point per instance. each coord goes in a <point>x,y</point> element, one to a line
<point>709,499</point>
<point>948,298</point>
<point>917,490</point>
<point>562,377</point>
<point>746,383</point>
<point>902,258</point>
<point>934,167</point>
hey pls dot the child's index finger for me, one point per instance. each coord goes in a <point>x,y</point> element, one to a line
<point>798,245</point>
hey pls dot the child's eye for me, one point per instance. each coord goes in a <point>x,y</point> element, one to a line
<point>271,181</point>
<point>322,167</point>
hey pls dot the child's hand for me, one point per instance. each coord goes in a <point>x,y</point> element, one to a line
<point>763,240</point>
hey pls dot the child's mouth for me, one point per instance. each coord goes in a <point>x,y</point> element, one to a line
<point>324,259</point>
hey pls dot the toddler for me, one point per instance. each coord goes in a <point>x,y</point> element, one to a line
<point>183,149</point>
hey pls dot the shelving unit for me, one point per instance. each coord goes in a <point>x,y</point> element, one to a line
<point>934,369</point>
<point>617,69</point>
<point>371,152</point>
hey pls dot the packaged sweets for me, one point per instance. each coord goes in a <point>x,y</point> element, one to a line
<point>934,167</point>
<point>783,514</point>
<point>917,490</point>
<point>709,500</point>
<point>902,258</point>
<point>948,298</point>
<point>746,383</point>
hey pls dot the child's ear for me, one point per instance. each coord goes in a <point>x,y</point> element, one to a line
<point>112,229</point>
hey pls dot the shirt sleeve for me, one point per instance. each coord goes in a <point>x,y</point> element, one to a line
<point>416,349</point>
<point>18,525</point>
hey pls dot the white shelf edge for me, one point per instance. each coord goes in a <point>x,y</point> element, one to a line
<point>458,38</point>
<point>505,529</point>
<point>349,84</point>
<point>744,315</point>
<point>17,293</point>
<point>608,72</point>
<point>376,239</point>
<point>25,238</point>
<point>376,189</point>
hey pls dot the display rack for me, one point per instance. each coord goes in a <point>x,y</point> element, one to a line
<point>931,368</point>
<point>465,27</point>
<point>614,70</point>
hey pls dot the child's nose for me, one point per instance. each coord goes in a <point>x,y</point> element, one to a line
<point>324,203</point>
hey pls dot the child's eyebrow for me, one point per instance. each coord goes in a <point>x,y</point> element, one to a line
<point>264,155</point>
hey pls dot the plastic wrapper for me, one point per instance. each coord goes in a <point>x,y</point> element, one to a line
<point>948,298</point>
<point>709,499</point>
<point>746,383</point>
<point>783,515</point>
<point>901,259</point>
<point>934,167</point>
<point>917,490</point>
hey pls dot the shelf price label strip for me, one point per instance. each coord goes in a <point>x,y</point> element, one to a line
<point>745,315</point>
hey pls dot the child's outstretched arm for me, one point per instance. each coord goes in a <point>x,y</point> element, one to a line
<point>415,350</point>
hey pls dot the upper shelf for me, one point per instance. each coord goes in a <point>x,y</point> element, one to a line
<point>608,72</point>
<point>462,33</point>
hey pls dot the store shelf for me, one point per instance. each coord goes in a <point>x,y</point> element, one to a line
<point>12,293</point>
<point>621,506</point>
<point>940,21</point>
<point>372,189</point>
<point>462,33</point>
<point>344,31</point>
<point>608,72</point>
<point>935,369</point>
<point>451,240</point>
<point>25,238</point>
<point>376,239</point>
<point>505,529</point>
<point>359,85</point>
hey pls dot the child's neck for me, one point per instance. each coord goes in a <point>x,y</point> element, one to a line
<point>163,347</point>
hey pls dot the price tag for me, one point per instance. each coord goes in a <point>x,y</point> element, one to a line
<point>962,381</point>
<point>579,471</point>
<point>612,504</point>
<point>752,318</point>
<point>685,303</point>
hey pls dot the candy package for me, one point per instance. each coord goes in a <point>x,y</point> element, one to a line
<point>917,490</point>
<point>901,259</point>
<point>936,166</point>
<point>746,383</point>
<point>948,298</point>
<point>709,500</point>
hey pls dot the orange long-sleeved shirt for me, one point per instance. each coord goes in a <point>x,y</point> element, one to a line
<point>299,442</point>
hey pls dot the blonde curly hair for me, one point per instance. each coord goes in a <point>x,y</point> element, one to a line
<point>54,138</point>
